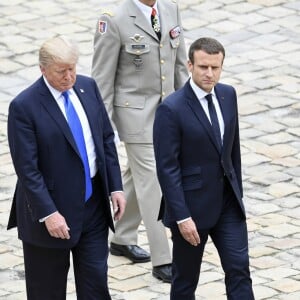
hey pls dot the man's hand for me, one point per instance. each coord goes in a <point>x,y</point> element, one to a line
<point>118,203</point>
<point>57,226</point>
<point>189,232</point>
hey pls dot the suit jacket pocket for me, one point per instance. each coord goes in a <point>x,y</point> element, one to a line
<point>129,101</point>
<point>192,179</point>
<point>129,114</point>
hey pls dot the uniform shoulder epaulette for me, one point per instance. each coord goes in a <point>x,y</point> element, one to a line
<point>108,13</point>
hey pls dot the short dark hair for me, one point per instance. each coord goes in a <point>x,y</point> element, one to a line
<point>208,45</point>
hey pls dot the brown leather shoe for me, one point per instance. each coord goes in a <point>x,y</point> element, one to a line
<point>133,252</point>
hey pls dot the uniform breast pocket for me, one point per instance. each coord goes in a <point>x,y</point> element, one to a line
<point>137,49</point>
<point>174,46</point>
<point>137,54</point>
<point>175,43</point>
<point>192,179</point>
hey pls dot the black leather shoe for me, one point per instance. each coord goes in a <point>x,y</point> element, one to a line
<point>163,273</point>
<point>133,252</point>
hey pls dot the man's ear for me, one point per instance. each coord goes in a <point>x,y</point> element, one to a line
<point>189,66</point>
<point>42,69</point>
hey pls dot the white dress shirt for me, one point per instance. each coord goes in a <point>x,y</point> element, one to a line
<point>201,97</point>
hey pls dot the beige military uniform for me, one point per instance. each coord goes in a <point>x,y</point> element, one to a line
<point>135,72</point>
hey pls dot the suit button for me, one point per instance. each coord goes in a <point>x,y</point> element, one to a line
<point>162,61</point>
<point>161,45</point>
<point>163,93</point>
<point>126,103</point>
<point>163,77</point>
<point>138,52</point>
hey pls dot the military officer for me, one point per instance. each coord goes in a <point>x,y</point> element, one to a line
<point>140,58</point>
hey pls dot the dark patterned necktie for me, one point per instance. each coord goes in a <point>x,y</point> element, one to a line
<point>75,126</point>
<point>155,23</point>
<point>214,120</point>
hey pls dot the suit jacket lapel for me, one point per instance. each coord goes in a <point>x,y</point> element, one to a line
<point>53,109</point>
<point>91,108</point>
<point>200,113</point>
<point>226,110</point>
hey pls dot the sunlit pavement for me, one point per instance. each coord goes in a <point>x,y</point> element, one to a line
<point>262,41</point>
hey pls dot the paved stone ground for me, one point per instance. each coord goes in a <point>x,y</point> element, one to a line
<point>262,39</point>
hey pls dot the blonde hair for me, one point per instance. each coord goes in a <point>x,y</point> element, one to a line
<point>58,50</point>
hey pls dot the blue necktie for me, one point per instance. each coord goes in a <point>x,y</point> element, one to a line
<point>214,121</point>
<point>75,126</point>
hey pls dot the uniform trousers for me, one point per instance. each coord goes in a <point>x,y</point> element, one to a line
<point>230,237</point>
<point>46,269</point>
<point>143,195</point>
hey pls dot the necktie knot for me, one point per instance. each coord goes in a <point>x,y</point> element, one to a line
<point>65,94</point>
<point>153,13</point>
<point>208,97</point>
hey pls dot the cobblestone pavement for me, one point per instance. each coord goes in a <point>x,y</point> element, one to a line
<point>262,39</point>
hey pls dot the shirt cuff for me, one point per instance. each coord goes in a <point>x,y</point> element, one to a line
<point>116,192</point>
<point>44,219</point>
<point>181,221</point>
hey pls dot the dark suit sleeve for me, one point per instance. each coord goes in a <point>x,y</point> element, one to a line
<point>23,147</point>
<point>166,138</point>
<point>110,153</point>
<point>236,151</point>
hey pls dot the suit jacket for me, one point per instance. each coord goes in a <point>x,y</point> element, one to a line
<point>134,70</point>
<point>48,166</point>
<point>191,171</point>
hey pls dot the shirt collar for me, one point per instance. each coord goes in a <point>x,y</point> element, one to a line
<point>198,91</point>
<point>55,93</point>
<point>145,8</point>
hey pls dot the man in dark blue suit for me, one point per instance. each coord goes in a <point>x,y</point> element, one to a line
<point>197,150</point>
<point>63,151</point>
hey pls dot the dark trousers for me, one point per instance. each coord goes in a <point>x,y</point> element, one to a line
<point>230,238</point>
<point>46,269</point>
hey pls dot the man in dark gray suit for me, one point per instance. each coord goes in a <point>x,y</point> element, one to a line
<point>139,59</point>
